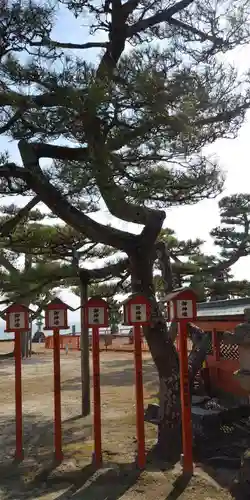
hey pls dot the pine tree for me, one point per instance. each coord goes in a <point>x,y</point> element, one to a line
<point>137,120</point>
<point>36,258</point>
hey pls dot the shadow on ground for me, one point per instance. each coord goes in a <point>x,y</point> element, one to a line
<point>39,477</point>
<point>109,483</point>
<point>38,445</point>
<point>4,373</point>
<point>121,373</point>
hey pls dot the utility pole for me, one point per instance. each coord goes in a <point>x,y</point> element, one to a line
<point>85,371</point>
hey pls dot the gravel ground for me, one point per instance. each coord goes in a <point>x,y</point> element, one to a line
<point>38,477</point>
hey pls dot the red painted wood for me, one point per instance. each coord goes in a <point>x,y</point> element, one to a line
<point>141,457</point>
<point>57,397</point>
<point>97,397</point>
<point>216,345</point>
<point>18,397</point>
<point>185,401</point>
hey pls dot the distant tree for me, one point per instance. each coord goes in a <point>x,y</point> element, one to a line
<point>20,273</point>
<point>36,258</point>
<point>211,275</point>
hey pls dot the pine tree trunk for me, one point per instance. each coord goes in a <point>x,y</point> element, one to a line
<point>85,368</point>
<point>24,344</point>
<point>26,335</point>
<point>165,357</point>
<point>30,344</point>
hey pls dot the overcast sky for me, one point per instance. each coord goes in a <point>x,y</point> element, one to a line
<point>194,221</point>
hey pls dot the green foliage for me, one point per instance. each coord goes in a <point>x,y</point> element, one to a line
<point>211,275</point>
<point>235,218</point>
<point>36,258</point>
<point>155,108</point>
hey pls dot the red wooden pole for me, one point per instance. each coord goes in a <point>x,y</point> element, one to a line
<point>18,397</point>
<point>178,343</point>
<point>216,345</point>
<point>187,444</point>
<point>141,458</point>
<point>96,397</point>
<point>57,397</point>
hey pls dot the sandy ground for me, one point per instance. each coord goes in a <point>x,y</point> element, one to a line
<point>38,477</point>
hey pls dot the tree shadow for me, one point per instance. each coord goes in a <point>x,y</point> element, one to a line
<point>121,373</point>
<point>38,451</point>
<point>7,356</point>
<point>4,373</point>
<point>39,474</point>
<point>223,476</point>
<point>179,486</point>
<point>6,361</point>
<point>111,484</point>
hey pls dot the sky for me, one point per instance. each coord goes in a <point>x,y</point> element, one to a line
<point>189,221</point>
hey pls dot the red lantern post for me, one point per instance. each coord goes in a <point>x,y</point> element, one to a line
<point>56,319</point>
<point>137,313</point>
<point>17,321</point>
<point>182,308</point>
<point>96,316</point>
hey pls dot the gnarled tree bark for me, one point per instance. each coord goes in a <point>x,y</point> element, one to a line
<point>161,344</point>
<point>164,355</point>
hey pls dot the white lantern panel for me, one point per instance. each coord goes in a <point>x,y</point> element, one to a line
<point>138,313</point>
<point>56,318</point>
<point>17,320</point>
<point>96,315</point>
<point>185,309</point>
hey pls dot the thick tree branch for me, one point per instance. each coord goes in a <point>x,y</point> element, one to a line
<point>8,227</point>
<point>117,39</point>
<point>201,342</point>
<point>17,100</point>
<point>40,309</point>
<point>117,142</point>
<point>7,265</point>
<point>173,331</point>
<point>175,258</point>
<point>224,116</point>
<point>10,122</point>
<point>162,254</point>
<point>114,195</point>
<point>37,181</point>
<point>62,96</point>
<point>66,273</point>
<point>43,150</point>
<point>160,17</point>
<point>129,7</point>
<point>68,45</point>
<point>152,230</point>
<point>203,36</point>
<point>109,271</point>
<point>11,170</point>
